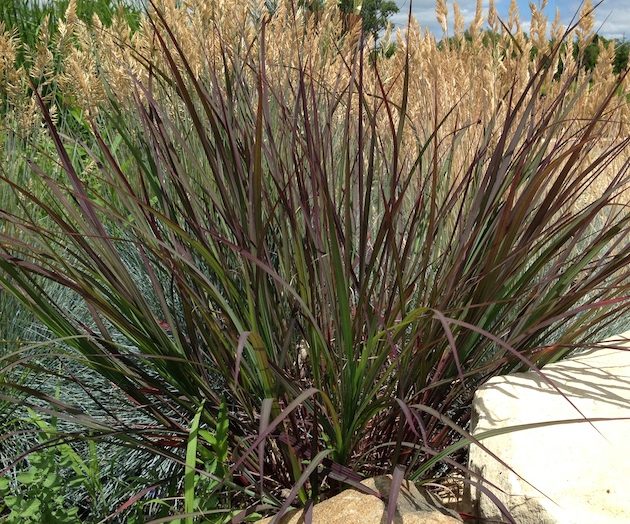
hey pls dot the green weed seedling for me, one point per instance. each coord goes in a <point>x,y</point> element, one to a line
<point>39,494</point>
<point>205,469</point>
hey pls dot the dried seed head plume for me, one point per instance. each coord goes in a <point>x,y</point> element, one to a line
<point>477,21</point>
<point>441,13</point>
<point>458,20</point>
<point>514,22</point>
<point>41,57</point>
<point>557,29</point>
<point>8,54</point>
<point>492,15</point>
<point>71,13</point>
<point>67,28</point>
<point>387,38</point>
<point>587,21</point>
<point>99,60</point>
<point>538,24</point>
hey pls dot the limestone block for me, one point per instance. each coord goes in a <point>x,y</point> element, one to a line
<point>569,473</point>
<point>414,506</point>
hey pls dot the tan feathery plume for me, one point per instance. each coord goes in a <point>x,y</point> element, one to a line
<point>538,24</point>
<point>71,13</point>
<point>492,15</point>
<point>441,13</point>
<point>8,49</point>
<point>604,66</point>
<point>475,25</point>
<point>9,75</point>
<point>41,57</point>
<point>557,29</point>
<point>67,28</point>
<point>458,20</point>
<point>587,20</point>
<point>513,16</point>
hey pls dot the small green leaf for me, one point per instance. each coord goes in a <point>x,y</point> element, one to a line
<point>11,501</point>
<point>191,462</point>
<point>36,459</point>
<point>50,480</point>
<point>32,507</point>
<point>28,477</point>
<point>208,437</point>
<point>222,434</point>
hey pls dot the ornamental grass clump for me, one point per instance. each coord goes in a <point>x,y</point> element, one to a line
<point>315,262</point>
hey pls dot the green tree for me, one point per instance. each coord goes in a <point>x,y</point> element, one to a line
<point>591,53</point>
<point>374,13</point>
<point>622,53</point>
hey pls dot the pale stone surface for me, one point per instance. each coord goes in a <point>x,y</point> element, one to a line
<point>353,507</point>
<point>582,468</point>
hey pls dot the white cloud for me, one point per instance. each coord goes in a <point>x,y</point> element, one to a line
<point>612,17</point>
<point>424,12</point>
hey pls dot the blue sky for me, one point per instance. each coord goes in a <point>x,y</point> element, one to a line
<point>613,15</point>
